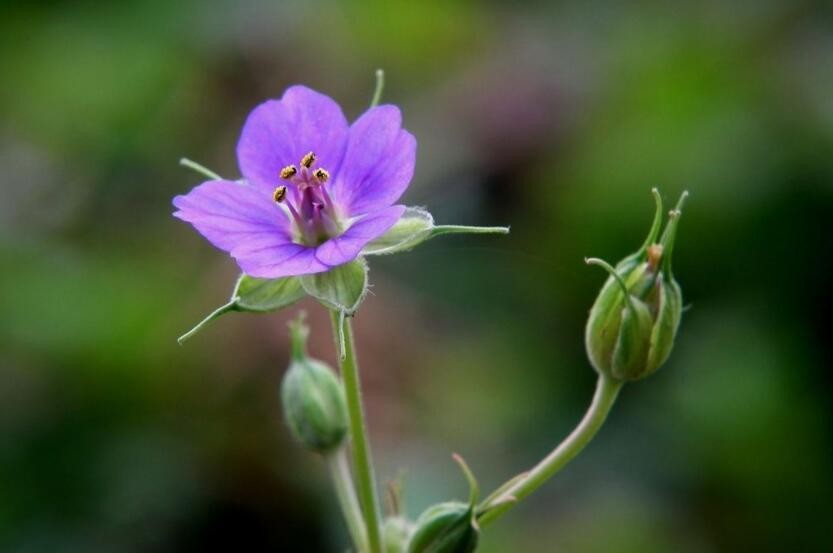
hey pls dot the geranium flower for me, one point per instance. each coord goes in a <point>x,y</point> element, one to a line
<point>315,189</point>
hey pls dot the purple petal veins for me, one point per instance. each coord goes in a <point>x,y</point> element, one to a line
<point>347,246</point>
<point>379,161</point>
<point>316,189</point>
<point>278,133</point>
<point>230,214</point>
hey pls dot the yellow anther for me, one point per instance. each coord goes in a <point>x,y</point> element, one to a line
<point>280,194</point>
<point>288,172</point>
<point>322,175</point>
<point>308,160</point>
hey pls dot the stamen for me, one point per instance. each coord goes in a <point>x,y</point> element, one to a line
<point>280,194</point>
<point>302,225</point>
<point>314,215</point>
<point>308,160</point>
<point>321,174</point>
<point>288,172</point>
<point>327,200</point>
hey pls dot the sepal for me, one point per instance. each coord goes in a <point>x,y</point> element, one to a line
<point>254,295</point>
<point>415,227</point>
<point>341,288</point>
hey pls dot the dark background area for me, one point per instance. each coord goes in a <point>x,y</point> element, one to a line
<point>556,118</point>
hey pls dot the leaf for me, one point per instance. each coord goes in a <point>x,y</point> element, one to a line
<point>255,295</point>
<point>416,226</point>
<point>341,288</point>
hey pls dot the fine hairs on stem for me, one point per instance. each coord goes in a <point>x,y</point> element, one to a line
<point>362,461</point>
<point>346,493</point>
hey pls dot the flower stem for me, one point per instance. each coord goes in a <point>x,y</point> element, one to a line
<point>343,482</point>
<point>606,391</point>
<point>362,462</point>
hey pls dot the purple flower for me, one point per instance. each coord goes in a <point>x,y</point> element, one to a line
<point>316,190</point>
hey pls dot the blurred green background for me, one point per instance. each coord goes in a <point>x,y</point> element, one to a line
<point>553,117</point>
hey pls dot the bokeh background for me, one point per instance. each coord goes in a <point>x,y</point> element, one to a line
<point>553,117</point>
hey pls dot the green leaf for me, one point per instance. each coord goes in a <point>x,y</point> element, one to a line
<point>255,295</point>
<point>416,226</point>
<point>341,288</point>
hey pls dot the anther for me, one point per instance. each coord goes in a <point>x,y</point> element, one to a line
<point>280,194</point>
<point>321,174</point>
<point>288,172</point>
<point>308,160</point>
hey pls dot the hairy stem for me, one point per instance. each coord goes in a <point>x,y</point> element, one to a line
<point>606,391</point>
<point>362,462</point>
<point>346,492</point>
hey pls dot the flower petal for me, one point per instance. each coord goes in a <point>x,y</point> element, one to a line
<point>347,246</point>
<point>278,133</point>
<point>265,259</point>
<point>229,214</point>
<point>378,163</point>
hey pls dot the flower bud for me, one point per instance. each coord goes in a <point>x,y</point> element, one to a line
<point>634,320</point>
<point>449,527</point>
<point>313,397</point>
<point>396,532</point>
<point>445,528</point>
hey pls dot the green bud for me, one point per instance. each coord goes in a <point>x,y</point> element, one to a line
<point>313,397</point>
<point>449,527</point>
<point>396,532</point>
<point>633,323</point>
<point>445,528</point>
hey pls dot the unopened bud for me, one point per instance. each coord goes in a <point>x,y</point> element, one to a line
<point>313,397</point>
<point>449,527</point>
<point>633,323</point>
<point>445,528</point>
<point>396,533</point>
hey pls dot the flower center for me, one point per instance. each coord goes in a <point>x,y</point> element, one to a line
<point>315,218</point>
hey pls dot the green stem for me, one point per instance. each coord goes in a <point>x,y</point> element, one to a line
<point>606,391</point>
<point>343,482</point>
<point>362,462</point>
